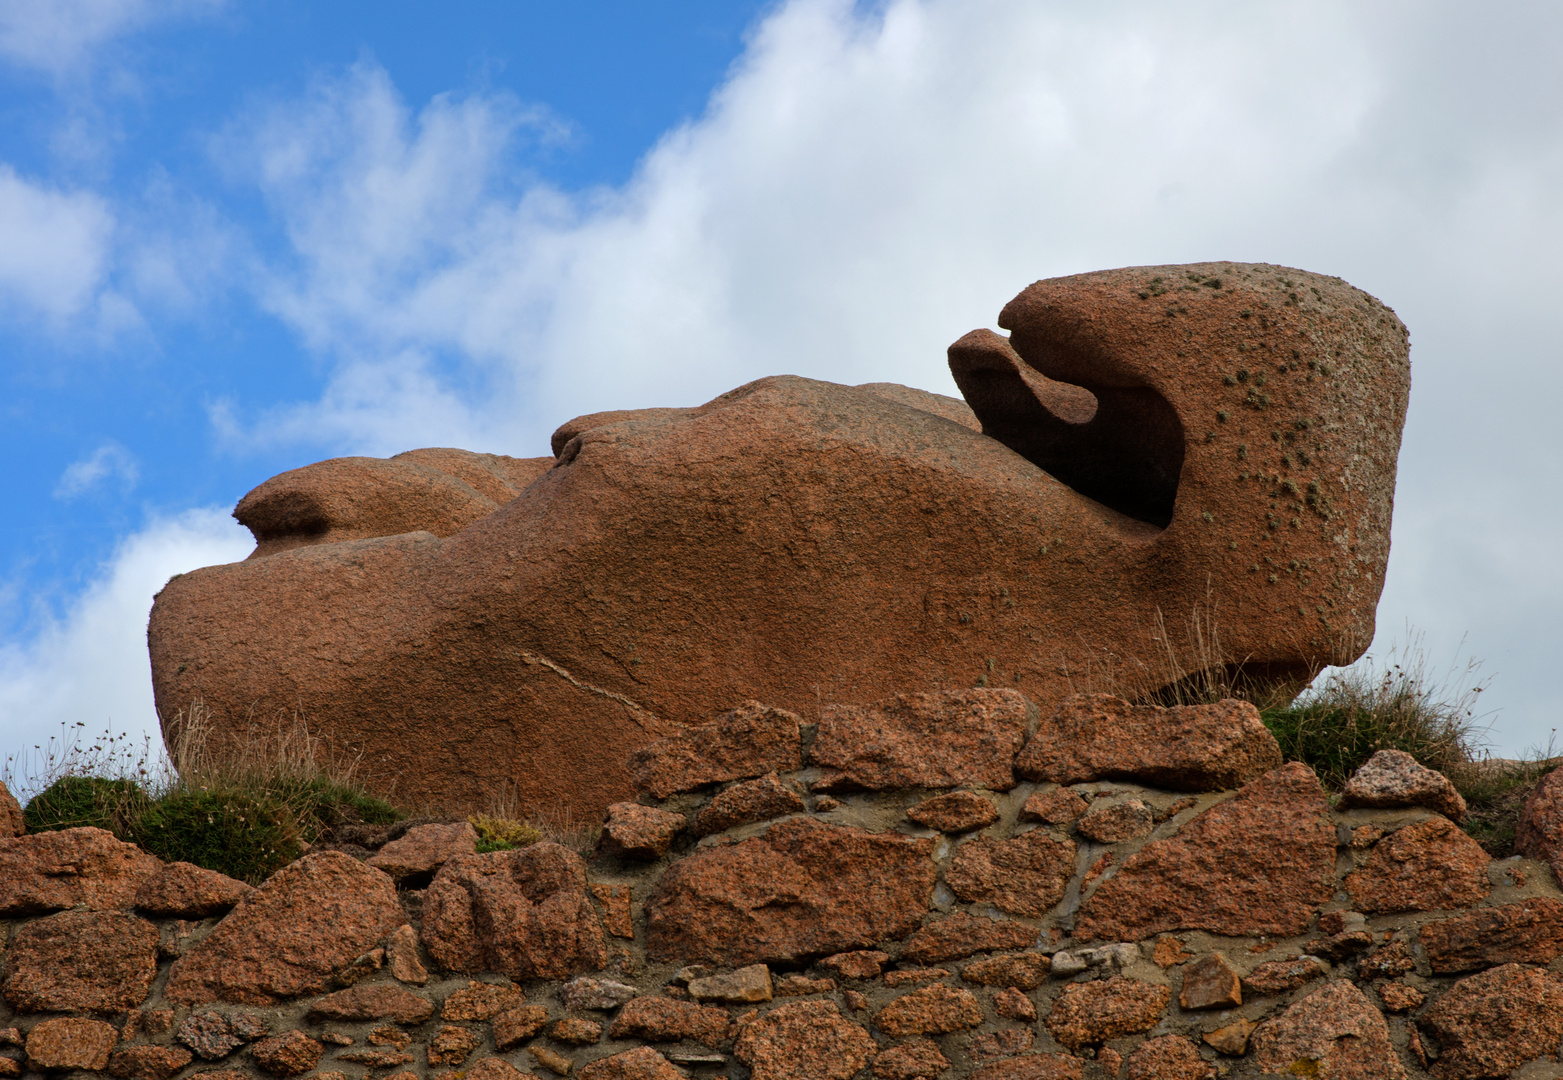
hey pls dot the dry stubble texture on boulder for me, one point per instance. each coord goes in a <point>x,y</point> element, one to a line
<point>1262,862</point>
<point>1148,441</point>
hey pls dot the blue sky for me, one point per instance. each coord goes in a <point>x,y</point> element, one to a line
<point>237,237</point>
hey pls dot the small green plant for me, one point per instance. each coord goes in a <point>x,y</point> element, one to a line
<point>74,801</point>
<point>1338,723</point>
<point>502,833</point>
<point>245,810</point>
<point>1495,790</point>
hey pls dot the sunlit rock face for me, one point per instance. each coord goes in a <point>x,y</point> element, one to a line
<point>1151,450</point>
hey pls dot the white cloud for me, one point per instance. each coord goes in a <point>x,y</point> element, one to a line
<point>91,665</point>
<point>56,248</point>
<point>60,36</point>
<point>109,460</point>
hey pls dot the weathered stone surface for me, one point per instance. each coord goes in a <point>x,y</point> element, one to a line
<point>1168,1057</point>
<point>1169,951</point>
<point>523,913</point>
<point>932,1010</point>
<point>1005,1042</point>
<point>860,964</point>
<point>908,976</point>
<point>1013,1004</point>
<point>489,1068</point>
<point>1054,807</point>
<point>1337,947</point>
<point>1210,983</point>
<point>287,1054</point>
<point>1033,1067</point>
<point>803,889</point>
<point>1529,932</point>
<point>641,1063</point>
<point>1394,778</point>
<point>915,1059</point>
<point>184,890</point>
<point>960,935</point>
<point>1539,833</point>
<point>618,916</point>
<point>744,986</point>
<point>1335,1031</point>
<point>1281,976</point>
<point>70,1043</point>
<point>555,1063</point>
<point>1109,822</point>
<point>387,1058</point>
<point>1025,971</point>
<point>1023,876</point>
<point>309,920</point>
<point>380,1002</point>
<point>922,740</point>
<point>154,1022</point>
<point>389,1035</point>
<point>659,1019</point>
<point>103,961</point>
<point>515,1026</point>
<point>1387,962</point>
<point>1261,862</point>
<point>959,811</point>
<point>751,740</point>
<point>1428,866</point>
<point>213,1035</point>
<point>584,992</point>
<point>633,831</point>
<point>11,823</point>
<point>1068,962</point>
<point>147,1062</point>
<point>577,1030</point>
<point>1398,997</point>
<point>806,1040</point>
<point>423,849</point>
<point>482,1001</point>
<point>1491,1023</point>
<point>1231,1039</point>
<point>452,1045</point>
<point>752,800</point>
<point>1090,1013</point>
<point>1183,748</point>
<point>803,986</point>
<point>651,572</point>
<point>401,948</point>
<point>63,868</point>
<point>434,490</point>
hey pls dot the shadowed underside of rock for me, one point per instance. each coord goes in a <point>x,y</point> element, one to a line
<point>1154,442</point>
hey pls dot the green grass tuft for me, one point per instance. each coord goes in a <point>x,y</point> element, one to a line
<point>245,813</point>
<point>502,833</point>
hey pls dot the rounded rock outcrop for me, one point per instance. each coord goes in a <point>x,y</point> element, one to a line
<point>1154,440</point>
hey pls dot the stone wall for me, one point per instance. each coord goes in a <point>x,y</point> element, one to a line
<point>944,885</point>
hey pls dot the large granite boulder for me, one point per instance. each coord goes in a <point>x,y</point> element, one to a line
<point>1148,444</point>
